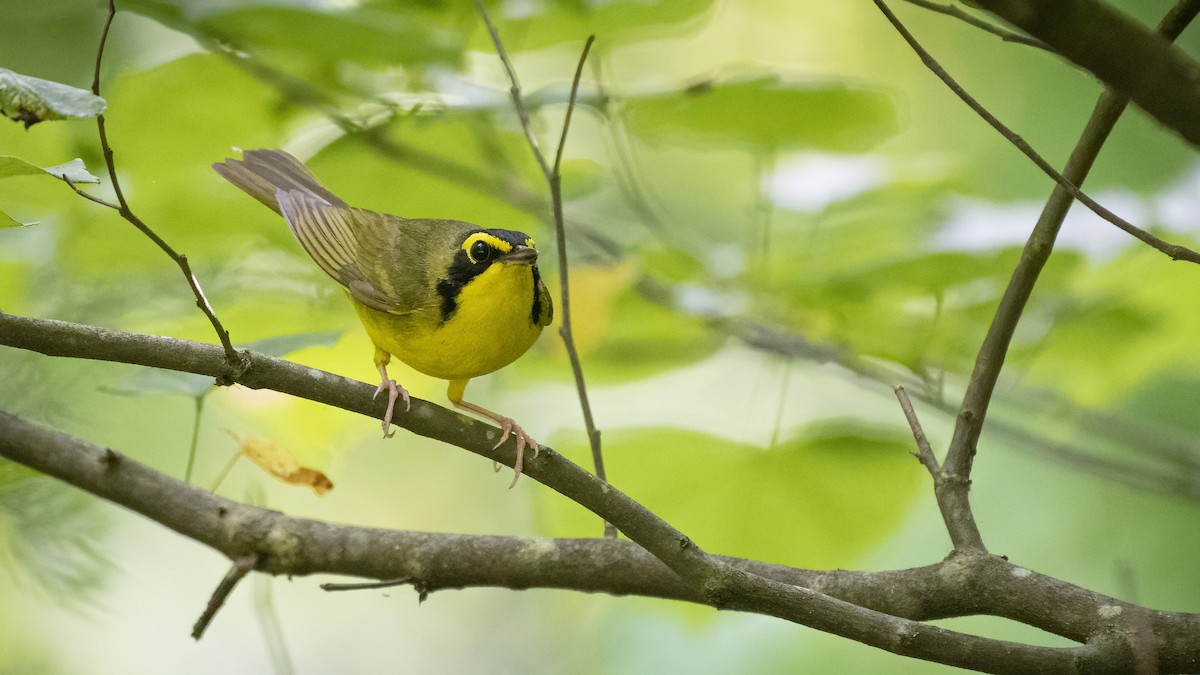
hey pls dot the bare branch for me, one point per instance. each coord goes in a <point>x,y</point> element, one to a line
<point>967,17</point>
<point>241,567</point>
<point>234,360</point>
<point>554,178</point>
<point>961,585</point>
<point>712,579</point>
<point>562,140</point>
<point>924,453</point>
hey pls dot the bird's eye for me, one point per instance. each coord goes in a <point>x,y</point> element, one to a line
<point>480,252</point>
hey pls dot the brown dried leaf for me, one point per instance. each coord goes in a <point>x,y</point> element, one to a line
<point>279,462</point>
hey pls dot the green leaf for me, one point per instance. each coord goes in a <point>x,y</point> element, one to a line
<point>31,100</point>
<point>282,345</point>
<point>767,114</point>
<point>152,382</point>
<point>580,178</point>
<point>73,170</point>
<point>532,26</point>
<point>12,473</point>
<point>845,486</point>
<point>8,221</point>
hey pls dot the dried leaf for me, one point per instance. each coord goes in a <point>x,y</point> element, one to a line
<point>279,462</point>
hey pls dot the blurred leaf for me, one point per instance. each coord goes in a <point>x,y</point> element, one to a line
<point>151,381</point>
<point>73,170</point>
<point>8,221</point>
<point>282,345</point>
<point>312,42</point>
<point>11,472</point>
<point>47,533</point>
<point>646,339</point>
<point>767,114</point>
<point>528,26</point>
<point>31,100</point>
<point>844,486</point>
<point>580,178</point>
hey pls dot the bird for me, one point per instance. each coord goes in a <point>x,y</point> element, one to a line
<point>450,299</point>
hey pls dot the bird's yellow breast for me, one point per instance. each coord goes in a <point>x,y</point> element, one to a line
<point>491,326</point>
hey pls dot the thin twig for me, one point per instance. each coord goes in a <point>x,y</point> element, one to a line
<point>1003,34</point>
<point>241,567</point>
<point>1174,251</point>
<point>191,462</point>
<point>562,140</point>
<point>554,178</point>
<point>924,452</point>
<point>514,90</point>
<point>236,362</point>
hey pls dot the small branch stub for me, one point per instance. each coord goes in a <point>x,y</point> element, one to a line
<point>241,567</point>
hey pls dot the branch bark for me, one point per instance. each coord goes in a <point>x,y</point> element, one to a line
<point>1127,56</point>
<point>874,608</point>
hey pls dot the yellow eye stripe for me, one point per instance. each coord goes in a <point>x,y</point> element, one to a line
<point>490,239</point>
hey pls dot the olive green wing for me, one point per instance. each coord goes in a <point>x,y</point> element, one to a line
<point>408,256</point>
<point>330,236</point>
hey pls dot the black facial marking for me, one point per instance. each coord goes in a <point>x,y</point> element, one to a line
<point>462,271</point>
<point>537,296</point>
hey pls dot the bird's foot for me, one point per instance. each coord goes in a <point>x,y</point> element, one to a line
<point>509,427</point>
<point>394,391</point>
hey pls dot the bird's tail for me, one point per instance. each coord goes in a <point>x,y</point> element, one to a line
<point>262,173</point>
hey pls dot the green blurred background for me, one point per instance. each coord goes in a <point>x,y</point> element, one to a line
<point>774,213</point>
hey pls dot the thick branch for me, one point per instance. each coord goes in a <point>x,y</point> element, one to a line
<point>716,581</point>
<point>1129,57</point>
<point>276,543</point>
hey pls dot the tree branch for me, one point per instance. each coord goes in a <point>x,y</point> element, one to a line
<point>239,530</point>
<point>1129,57</point>
<point>958,586</point>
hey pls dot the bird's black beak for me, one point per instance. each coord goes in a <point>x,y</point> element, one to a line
<point>520,255</point>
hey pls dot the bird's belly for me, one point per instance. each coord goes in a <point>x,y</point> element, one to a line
<point>483,335</point>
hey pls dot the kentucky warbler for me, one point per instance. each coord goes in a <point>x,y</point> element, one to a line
<point>448,298</point>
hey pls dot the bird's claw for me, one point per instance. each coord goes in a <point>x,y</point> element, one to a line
<point>394,391</point>
<point>510,427</point>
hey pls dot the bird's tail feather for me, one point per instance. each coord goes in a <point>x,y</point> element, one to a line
<point>261,173</point>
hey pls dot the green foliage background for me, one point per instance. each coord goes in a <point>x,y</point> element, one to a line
<point>700,123</point>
